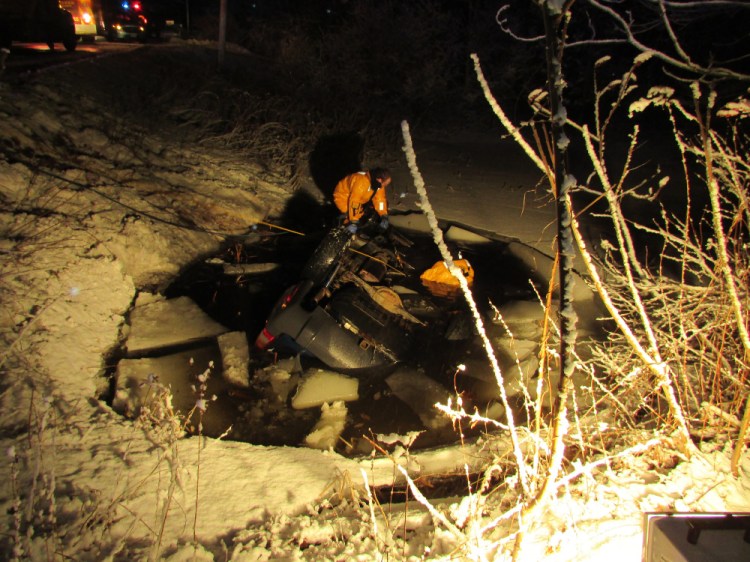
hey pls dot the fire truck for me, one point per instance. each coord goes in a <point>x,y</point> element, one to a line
<point>84,14</point>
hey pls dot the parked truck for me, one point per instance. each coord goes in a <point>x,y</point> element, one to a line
<point>36,21</point>
<point>84,14</point>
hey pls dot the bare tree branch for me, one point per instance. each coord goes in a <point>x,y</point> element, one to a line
<point>687,65</point>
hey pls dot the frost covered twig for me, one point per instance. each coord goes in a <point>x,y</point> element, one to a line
<point>680,61</point>
<point>659,368</point>
<point>437,234</point>
<point>506,122</point>
<point>723,260</point>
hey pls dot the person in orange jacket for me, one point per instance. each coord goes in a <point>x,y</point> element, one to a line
<point>354,191</point>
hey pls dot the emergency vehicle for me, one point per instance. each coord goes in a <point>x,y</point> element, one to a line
<point>125,20</point>
<point>84,17</point>
<point>36,21</point>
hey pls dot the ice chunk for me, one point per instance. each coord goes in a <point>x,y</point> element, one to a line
<point>416,222</point>
<point>282,382</point>
<point>458,234</point>
<point>406,440</point>
<point>249,268</point>
<point>277,381</point>
<point>516,349</point>
<point>331,424</point>
<point>521,376</point>
<point>235,357</point>
<point>587,303</point>
<point>524,319</point>
<point>144,297</point>
<point>494,411</point>
<point>420,393</point>
<point>290,364</point>
<point>516,312</point>
<point>170,322</point>
<point>320,386</point>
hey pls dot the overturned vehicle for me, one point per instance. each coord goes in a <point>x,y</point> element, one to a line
<point>352,334</point>
<point>366,303</point>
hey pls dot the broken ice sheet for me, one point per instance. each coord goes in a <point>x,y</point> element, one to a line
<point>320,386</point>
<point>421,393</point>
<point>167,323</point>
<point>275,382</point>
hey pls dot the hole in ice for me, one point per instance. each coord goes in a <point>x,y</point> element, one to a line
<point>208,321</point>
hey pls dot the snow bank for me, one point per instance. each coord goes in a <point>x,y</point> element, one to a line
<point>110,217</point>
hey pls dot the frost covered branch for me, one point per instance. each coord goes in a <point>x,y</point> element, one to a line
<point>506,122</point>
<point>437,234</point>
<point>683,62</point>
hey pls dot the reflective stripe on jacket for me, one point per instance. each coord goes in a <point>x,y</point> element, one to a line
<point>354,191</point>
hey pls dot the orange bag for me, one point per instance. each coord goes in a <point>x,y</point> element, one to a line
<point>441,282</point>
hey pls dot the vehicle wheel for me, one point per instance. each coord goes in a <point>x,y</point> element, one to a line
<point>70,39</point>
<point>51,45</point>
<point>326,255</point>
<point>66,30</point>
<point>70,43</point>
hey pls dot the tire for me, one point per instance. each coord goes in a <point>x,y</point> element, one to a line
<point>326,256</point>
<point>70,43</point>
<point>68,28</point>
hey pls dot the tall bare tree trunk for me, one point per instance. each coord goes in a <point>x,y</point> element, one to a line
<point>563,182</point>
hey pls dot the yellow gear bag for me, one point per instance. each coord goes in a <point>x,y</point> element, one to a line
<point>441,282</point>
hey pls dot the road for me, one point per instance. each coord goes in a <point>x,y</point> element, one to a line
<point>34,57</point>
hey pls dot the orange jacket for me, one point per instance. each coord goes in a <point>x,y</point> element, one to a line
<point>441,282</point>
<point>352,194</point>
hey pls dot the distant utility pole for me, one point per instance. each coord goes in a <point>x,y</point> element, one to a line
<point>222,30</point>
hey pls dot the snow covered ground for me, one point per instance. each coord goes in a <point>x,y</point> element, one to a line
<point>99,215</point>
